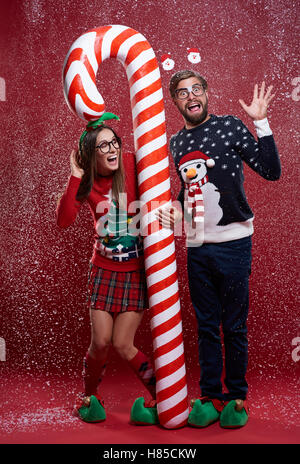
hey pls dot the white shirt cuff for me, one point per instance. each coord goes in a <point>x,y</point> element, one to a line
<point>262,127</point>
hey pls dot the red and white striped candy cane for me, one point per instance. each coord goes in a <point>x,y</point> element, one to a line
<point>79,73</point>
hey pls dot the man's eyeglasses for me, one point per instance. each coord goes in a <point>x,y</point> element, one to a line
<point>104,146</point>
<point>183,93</point>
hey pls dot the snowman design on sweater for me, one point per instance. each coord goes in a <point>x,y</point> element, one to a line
<point>228,143</point>
<point>201,196</point>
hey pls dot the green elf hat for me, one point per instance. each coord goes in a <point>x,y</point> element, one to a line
<point>94,124</point>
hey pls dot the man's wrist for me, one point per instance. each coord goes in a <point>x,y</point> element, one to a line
<point>262,127</point>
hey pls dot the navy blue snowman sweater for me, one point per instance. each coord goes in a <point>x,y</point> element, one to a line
<point>227,141</point>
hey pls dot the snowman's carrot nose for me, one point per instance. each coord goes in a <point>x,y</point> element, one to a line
<point>191,173</point>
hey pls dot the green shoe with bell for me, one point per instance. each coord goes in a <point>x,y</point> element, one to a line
<point>205,411</point>
<point>234,415</point>
<point>144,413</point>
<point>90,409</point>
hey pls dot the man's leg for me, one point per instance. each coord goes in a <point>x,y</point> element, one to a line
<point>235,264</point>
<point>204,296</point>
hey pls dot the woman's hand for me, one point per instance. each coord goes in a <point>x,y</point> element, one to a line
<point>75,169</point>
<point>168,216</point>
<point>258,108</point>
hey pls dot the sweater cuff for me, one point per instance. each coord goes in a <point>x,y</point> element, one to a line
<point>262,127</point>
<point>74,181</point>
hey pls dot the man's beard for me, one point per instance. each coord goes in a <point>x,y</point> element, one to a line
<point>198,118</point>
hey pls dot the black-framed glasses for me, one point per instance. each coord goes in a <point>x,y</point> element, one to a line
<point>104,146</point>
<point>183,93</point>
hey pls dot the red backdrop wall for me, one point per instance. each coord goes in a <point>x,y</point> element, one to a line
<point>44,321</point>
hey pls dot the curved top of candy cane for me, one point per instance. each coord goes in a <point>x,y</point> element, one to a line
<point>85,56</point>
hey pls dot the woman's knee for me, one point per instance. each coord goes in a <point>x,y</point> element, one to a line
<point>98,346</point>
<point>123,347</point>
<point>101,332</point>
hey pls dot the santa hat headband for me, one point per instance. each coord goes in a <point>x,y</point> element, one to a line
<point>196,155</point>
<point>165,57</point>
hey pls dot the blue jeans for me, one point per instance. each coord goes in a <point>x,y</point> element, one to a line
<point>219,288</point>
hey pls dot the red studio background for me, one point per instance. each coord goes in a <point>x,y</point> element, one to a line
<point>44,324</point>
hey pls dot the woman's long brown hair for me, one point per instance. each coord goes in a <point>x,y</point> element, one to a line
<point>87,160</point>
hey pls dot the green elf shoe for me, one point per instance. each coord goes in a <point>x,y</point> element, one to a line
<point>144,413</point>
<point>90,410</point>
<point>234,414</point>
<point>205,411</point>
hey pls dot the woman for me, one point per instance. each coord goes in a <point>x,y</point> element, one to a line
<point>117,295</point>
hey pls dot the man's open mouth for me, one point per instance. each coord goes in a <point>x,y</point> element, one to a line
<point>194,107</point>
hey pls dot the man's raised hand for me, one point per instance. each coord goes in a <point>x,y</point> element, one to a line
<point>258,108</point>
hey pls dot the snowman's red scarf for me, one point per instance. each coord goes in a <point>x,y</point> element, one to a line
<point>195,199</point>
<point>195,206</point>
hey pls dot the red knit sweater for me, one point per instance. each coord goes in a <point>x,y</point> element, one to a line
<point>111,250</point>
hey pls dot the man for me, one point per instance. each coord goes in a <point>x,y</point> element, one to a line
<point>209,152</point>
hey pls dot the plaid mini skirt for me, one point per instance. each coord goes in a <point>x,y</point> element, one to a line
<point>115,291</point>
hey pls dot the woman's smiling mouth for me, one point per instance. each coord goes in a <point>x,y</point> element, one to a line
<point>112,158</point>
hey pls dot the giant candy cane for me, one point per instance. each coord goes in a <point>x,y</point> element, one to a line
<point>79,73</point>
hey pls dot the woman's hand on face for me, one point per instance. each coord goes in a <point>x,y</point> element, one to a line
<point>75,169</point>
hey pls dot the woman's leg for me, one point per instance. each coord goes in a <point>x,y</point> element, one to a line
<point>95,360</point>
<point>125,327</point>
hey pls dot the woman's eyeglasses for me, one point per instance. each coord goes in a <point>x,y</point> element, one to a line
<point>104,146</point>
